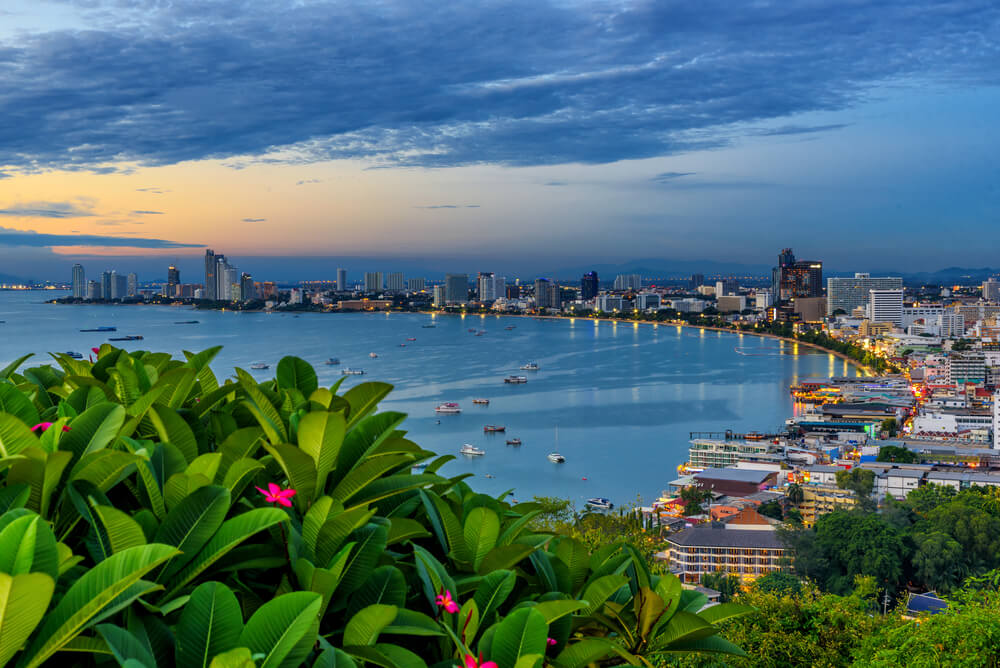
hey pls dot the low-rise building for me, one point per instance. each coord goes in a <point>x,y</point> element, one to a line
<point>746,553</point>
<point>734,482</point>
<point>819,500</point>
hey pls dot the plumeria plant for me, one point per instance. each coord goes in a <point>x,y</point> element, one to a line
<point>153,515</point>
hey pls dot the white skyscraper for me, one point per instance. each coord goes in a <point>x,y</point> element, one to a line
<point>394,282</point>
<point>847,294</point>
<point>132,285</point>
<point>341,280</point>
<point>415,284</point>
<point>373,281</point>
<point>79,282</point>
<point>490,286</point>
<point>439,295</point>
<point>996,420</point>
<point>628,282</point>
<point>991,290</point>
<point>886,306</point>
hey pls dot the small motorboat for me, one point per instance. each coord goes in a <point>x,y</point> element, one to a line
<point>471,450</point>
<point>352,372</point>
<point>492,428</point>
<point>510,327</point>
<point>186,322</point>
<point>513,441</point>
<point>481,402</point>
<point>489,475</point>
<point>556,458</point>
<point>480,332</point>
<point>332,361</point>
<point>428,326</point>
<point>411,338</point>
<point>515,380</point>
<point>101,329</point>
<point>260,366</point>
<point>75,355</point>
<point>132,337</point>
<point>472,330</point>
<point>372,355</point>
<point>600,503</point>
<point>448,407</point>
<point>420,465</point>
<point>530,366</point>
<point>402,345</point>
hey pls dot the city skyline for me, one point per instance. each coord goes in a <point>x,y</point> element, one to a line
<point>599,132</point>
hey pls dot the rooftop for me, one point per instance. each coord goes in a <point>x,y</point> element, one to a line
<point>709,536</point>
<point>734,475</point>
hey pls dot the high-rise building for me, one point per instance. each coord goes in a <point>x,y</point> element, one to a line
<point>547,294</point>
<point>93,290</point>
<point>226,276</point>
<point>589,286</point>
<point>697,280</point>
<point>886,306</point>
<point>131,285</point>
<point>513,291</point>
<point>106,285</point>
<point>763,299</point>
<point>173,280</point>
<point>991,290</point>
<point>394,282</point>
<point>211,286</point>
<point>456,289</point>
<point>490,286</point>
<point>785,259</point>
<point>628,282</point>
<point>341,280</point>
<point>847,294</point>
<point>439,296</point>
<point>246,287</point>
<point>119,285</point>
<point>727,286</point>
<point>373,281</point>
<point>79,282</point>
<point>415,284</point>
<point>796,278</point>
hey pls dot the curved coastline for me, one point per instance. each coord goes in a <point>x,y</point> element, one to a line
<point>725,330</point>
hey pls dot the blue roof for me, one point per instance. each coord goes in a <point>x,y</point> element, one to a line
<point>929,602</point>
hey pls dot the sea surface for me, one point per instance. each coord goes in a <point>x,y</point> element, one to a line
<point>618,400</point>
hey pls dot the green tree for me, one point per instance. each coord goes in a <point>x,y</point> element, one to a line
<point>938,561</point>
<point>924,499</point>
<point>771,509</point>
<point>890,425</point>
<point>892,453</point>
<point>779,582</point>
<point>794,493</point>
<point>727,585</point>
<point>861,482</point>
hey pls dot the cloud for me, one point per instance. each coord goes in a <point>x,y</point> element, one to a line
<point>254,220</point>
<point>153,83</point>
<point>800,129</point>
<point>555,183</point>
<point>48,210</point>
<point>10,237</point>
<point>147,213</point>
<point>307,181</point>
<point>153,191</point>
<point>664,177</point>
<point>449,206</point>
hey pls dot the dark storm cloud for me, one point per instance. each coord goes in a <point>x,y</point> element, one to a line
<point>35,239</point>
<point>435,84</point>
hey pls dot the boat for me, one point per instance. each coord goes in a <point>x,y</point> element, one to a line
<point>471,450</point>
<point>135,337</point>
<point>600,503</point>
<point>513,441</point>
<point>352,372</point>
<point>556,458</point>
<point>472,330</point>
<point>260,366</point>
<point>101,329</point>
<point>492,428</point>
<point>72,353</point>
<point>480,332</point>
<point>420,465</point>
<point>428,326</point>
<point>448,407</point>
<point>187,322</point>
<point>481,402</point>
<point>372,355</point>
<point>402,345</point>
<point>530,366</point>
<point>489,475</point>
<point>515,380</point>
<point>332,361</point>
<point>510,327</point>
<point>411,338</point>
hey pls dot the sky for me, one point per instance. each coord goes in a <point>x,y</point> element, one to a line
<point>511,136</point>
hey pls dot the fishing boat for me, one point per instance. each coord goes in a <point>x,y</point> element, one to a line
<point>135,337</point>
<point>471,450</point>
<point>513,441</point>
<point>260,366</point>
<point>481,402</point>
<point>332,361</point>
<point>472,330</point>
<point>352,372</point>
<point>402,345</point>
<point>515,380</point>
<point>372,355</point>
<point>600,503</point>
<point>428,326</point>
<point>411,338</point>
<point>101,329</point>
<point>510,327</point>
<point>75,355</point>
<point>480,332</point>
<point>448,407</point>
<point>530,366</point>
<point>556,458</point>
<point>493,428</point>
<point>186,322</point>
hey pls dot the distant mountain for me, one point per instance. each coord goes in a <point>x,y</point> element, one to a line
<point>664,268</point>
<point>951,276</point>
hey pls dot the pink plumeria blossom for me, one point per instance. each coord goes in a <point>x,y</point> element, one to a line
<point>551,641</point>
<point>96,351</point>
<point>43,426</point>
<point>471,662</point>
<point>274,494</point>
<point>444,600</point>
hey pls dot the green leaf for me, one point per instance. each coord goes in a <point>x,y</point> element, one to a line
<point>104,468</point>
<point>118,531</point>
<point>93,429</point>
<point>714,644</point>
<point>41,471</point>
<point>125,646</point>
<point>232,532</point>
<point>320,435</point>
<point>492,592</point>
<point>210,624</point>
<point>240,474</point>
<point>296,373</point>
<point>24,599</point>
<point>234,658</point>
<point>13,496</point>
<point>262,408</point>
<point>412,623</point>
<point>445,525</point>
<point>553,610</point>
<point>505,556</point>
<point>386,585</point>
<point>683,626</point>
<point>387,656</point>
<point>299,468</point>
<point>238,445</point>
<point>590,651</point>
<point>598,591</point>
<point>278,626</point>
<point>366,473</point>
<point>365,626</point>
<point>172,428</point>
<point>371,540</point>
<point>363,399</point>
<point>482,528</point>
<point>12,367</point>
<point>15,402</point>
<point>15,436</point>
<point>403,529</point>
<point>108,583</point>
<point>717,613</point>
<point>335,530</point>
<point>521,633</point>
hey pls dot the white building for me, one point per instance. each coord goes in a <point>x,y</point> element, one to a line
<point>848,294</point>
<point>373,281</point>
<point>341,280</point>
<point>415,284</point>
<point>886,306</point>
<point>79,282</point>
<point>438,296</point>
<point>647,300</point>
<point>996,420</point>
<point>491,287</point>
<point>628,282</point>
<point>131,285</point>
<point>991,290</point>
<point>609,303</point>
<point>763,299</point>
<point>394,282</point>
<point>296,296</point>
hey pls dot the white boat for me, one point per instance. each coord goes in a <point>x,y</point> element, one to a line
<point>471,450</point>
<point>332,361</point>
<point>420,466</point>
<point>556,458</point>
<point>530,366</point>
<point>600,503</point>
<point>515,380</point>
<point>448,407</point>
<point>260,366</point>
<point>352,372</point>
<point>372,355</point>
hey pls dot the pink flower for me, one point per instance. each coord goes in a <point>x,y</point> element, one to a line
<point>96,351</point>
<point>444,600</point>
<point>470,662</point>
<point>274,494</point>
<point>551,641</point>
<point>43,426</point>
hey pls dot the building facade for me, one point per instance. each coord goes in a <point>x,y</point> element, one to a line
<point>341,280</point>
<point>373,281</point>
<point>456,289</point>
<point>847,294</point>
<point>746,553</point>
<point>628,282</point>
<point>589,286</point>
<point>79,282</point>
<point>886,306</point>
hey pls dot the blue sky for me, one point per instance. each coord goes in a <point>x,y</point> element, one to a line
<point>521,135</point>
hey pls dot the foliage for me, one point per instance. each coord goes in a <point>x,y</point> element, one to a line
<point>779,582</point>
<point>138,526</point>
<point>795,493</point>
<point>771,509</point>
<point>727,585</point>
<point>892,453</point>
<point>861,482</point>
<point>693,497</point>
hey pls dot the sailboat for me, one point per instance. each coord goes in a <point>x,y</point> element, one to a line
<point>555,457</point>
